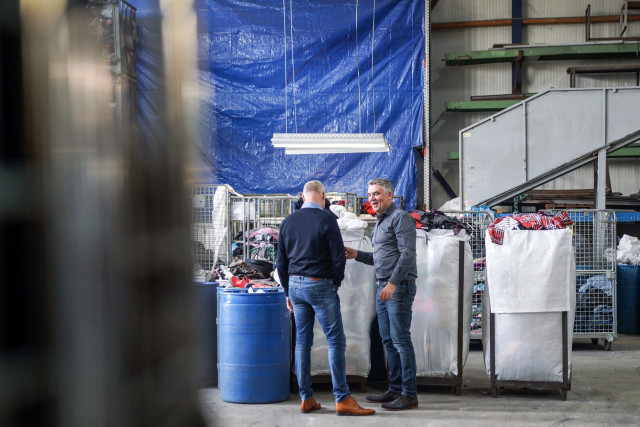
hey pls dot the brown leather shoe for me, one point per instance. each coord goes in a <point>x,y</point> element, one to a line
<point>309,405</point>
<point>349,406</point>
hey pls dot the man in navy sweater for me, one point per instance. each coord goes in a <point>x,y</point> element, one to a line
<point>310,263</point>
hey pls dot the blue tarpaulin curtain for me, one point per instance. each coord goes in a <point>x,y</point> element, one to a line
<point>243,68</point>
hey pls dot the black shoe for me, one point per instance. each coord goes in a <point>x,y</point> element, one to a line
<point>386,397</point>
<point>401,402</point>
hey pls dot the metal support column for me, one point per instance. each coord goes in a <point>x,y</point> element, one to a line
<point>601,180</point>
<point>516,38</point>
<point>426,111</point>
<point>601,164</point>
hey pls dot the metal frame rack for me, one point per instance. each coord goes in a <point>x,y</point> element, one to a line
<point>563,385</point>
<point>478,222</point>
<point>253,211</point>
<point>210,224</point>
<point>594,244</point>
<point>350,200</point>
<point>456,381</point>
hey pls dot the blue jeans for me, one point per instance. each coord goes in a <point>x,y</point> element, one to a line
<point>310,298</point>
<point>394,320</point>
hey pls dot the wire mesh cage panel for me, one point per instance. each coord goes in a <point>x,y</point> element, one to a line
<point>594,245</point>
<point>252,213</point>
<point>478,222</point>
<point>210,220</point>
<point>262,210</point>
<point>348,200</point>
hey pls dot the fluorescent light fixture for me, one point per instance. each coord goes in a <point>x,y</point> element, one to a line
<point>321,143</point>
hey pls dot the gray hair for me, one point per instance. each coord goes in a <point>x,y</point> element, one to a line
<point>385,183</point>
<point>315,186</point>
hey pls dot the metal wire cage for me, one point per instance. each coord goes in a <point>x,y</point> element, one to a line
<point>210,219</point>
<point>594,245</point>
<point>348,200</point>
<point>252,212</point>
<point>478,222</point>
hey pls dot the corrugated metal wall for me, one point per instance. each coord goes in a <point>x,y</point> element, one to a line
<point>459,83</point>
<point>623,172</point>
<point>445,131</point>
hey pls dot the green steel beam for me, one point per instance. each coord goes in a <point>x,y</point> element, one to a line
<point>481,105</point>
<point>546,53</point>
<point>632,150</point>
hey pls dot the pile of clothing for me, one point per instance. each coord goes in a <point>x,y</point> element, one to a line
<point>531,221</point>
<point>263,243</point>
<point>594,305</point>
<point>435,219</point>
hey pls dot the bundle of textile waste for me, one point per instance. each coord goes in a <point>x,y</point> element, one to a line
<point>347,220</point>
<point>628,251</point>
<point>228,280</point>
<point>435,219</point>
<point>263,243</point>
<point>247,283</point>
<point>529,221</point>
<point>594,307</point>
<point>250,268</point>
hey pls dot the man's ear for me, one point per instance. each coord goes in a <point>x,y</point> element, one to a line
<point>303,198</point>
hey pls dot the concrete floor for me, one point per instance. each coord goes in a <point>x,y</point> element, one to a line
<point>605,390</point>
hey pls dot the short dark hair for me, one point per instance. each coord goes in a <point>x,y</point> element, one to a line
<point>385,183</point>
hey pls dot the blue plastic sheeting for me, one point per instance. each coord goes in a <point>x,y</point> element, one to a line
<point>243,68</point>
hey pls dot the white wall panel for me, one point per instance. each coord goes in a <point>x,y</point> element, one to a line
<point>624,175</point>
<point>445,139</point>
<point>470,10</point>
<point>538,76</point>
<point>578,179</point>
<point>563,8</point>
<point>574,33</point>
<point>459,83</point>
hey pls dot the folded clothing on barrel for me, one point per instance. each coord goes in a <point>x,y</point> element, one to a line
<point>245,282</point>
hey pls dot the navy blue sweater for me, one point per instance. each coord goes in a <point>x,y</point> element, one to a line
<point>310,245</point>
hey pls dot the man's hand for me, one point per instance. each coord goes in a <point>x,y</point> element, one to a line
<point>350,253</point>
<point>289,305</point>
<point>387,292</point>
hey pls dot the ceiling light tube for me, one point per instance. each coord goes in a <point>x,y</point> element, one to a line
<point>312,150</point>
<point>318,143</point>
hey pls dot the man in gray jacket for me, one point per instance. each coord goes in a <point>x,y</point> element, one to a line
<point>394,260</point>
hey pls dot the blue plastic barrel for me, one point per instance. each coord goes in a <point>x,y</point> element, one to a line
<point>253,337</point>
<point>219,300</point>
<point>628,277</point>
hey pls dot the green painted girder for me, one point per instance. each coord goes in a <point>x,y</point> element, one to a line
<point>546,53</point>
<point>481,105</point>
<point>632,150</point>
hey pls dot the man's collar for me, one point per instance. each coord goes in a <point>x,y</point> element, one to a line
<point>387,211</point>
<point>311,205</point>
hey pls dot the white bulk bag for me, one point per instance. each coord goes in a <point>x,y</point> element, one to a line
<point>358,307</point>
<point>434,326</point>
<point>532,276</point>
